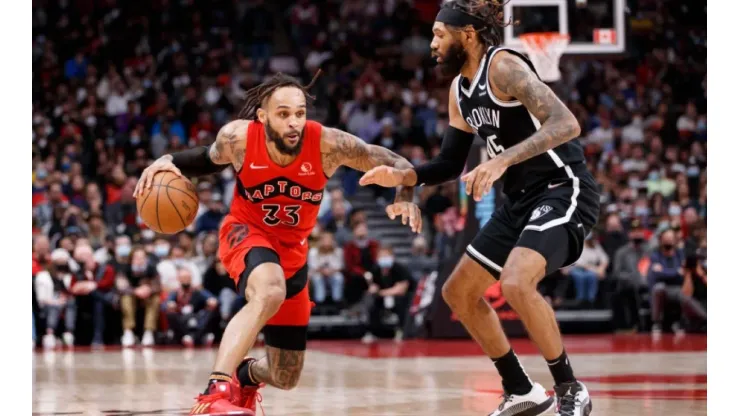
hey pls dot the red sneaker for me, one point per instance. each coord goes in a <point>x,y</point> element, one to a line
<point>219,402</point>
<point>247,396</point>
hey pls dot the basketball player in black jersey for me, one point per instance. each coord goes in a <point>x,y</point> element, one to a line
<point>552,204</point>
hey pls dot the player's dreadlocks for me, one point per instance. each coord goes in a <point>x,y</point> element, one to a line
<point>491,12</point>
<point>256,96</point>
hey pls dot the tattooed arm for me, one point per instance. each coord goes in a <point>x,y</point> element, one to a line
<point>202,160</point>
<point>512,77</point>
<point>341,148</point>
<point>230,144</point>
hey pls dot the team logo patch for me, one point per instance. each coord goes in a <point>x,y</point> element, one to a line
<point>306,169</point>
<point>540,211</point>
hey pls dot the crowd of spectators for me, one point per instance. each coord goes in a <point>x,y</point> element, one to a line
<point>117,84</point>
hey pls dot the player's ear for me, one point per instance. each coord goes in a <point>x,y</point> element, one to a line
<point>262,115</point>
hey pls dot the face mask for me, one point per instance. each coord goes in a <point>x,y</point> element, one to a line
<point>642,211</point>
<point>387,142</point>
<point>138,268</point>
<point>123,251</point>
<point>65,167</point>
<point>416,161</point>
<point>227,175</point>
<point>62,268</point>
<point>161,250</point>
<point>135,140</point>
<point>361,242</point>
<point>667,247</point>
<point>385,262</point>
<point>654,176</point>
<point>674,211</point>
<point>185,286</point>
<point>638,242</point>
<point>91,121</point>
<point>179,262</point>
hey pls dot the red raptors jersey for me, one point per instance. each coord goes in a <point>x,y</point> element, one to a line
<point>281,201</point>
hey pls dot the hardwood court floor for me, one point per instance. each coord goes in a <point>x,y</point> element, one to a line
<point>626,375</point>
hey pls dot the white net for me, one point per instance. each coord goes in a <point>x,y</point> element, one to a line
<point>544,50</point>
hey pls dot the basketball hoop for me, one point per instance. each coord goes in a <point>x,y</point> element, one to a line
<point>544,50</point>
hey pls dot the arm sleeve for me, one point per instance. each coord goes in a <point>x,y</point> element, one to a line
<point>450,161</point>
<point>195,162</point>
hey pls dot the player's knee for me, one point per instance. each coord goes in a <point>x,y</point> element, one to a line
<point>514,286</point>
<point>450,292</point>
<point>270,296</point>
<point>456,293</point>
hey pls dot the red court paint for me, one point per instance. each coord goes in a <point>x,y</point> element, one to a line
<point>599,344</point>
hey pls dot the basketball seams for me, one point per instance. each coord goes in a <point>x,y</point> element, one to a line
<point>165,221</point>
<point>181,191</point>
<point>166,192</point>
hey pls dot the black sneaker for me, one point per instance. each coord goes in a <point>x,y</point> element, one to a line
<point>572,399</point>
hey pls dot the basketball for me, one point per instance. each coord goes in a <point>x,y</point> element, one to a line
<point>169,205</point>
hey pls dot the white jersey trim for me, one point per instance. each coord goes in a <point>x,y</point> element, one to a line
<point>475,253</point>
<point>514,103</point>
<point>474,83</point>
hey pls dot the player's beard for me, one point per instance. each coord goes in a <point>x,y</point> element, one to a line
<point>280,141</point>
<point>453,60</point>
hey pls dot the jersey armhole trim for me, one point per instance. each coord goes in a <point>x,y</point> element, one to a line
<point>514,103</point>
<point>320,157</point>
<point>456,83</point>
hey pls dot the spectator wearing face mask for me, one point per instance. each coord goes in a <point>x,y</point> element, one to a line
<point>95,281</point>
<point>588,270</point>
<point>140,286</point>
<point>55,298</point>
<point>167,269</point>
<point>630,280</point>
<point>360,256</point>
<point>122,253</point>
<point>191,312</point>
<point>665,279</point>
<point>388,288</point>
<point>325,265</point>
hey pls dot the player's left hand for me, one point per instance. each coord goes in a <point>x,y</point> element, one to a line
<point>409,212</point>
<point>480,180</point>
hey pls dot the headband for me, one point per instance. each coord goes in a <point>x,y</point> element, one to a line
<point>458,18</point>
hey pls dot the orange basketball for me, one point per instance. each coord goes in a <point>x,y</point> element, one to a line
<point>169,205</point>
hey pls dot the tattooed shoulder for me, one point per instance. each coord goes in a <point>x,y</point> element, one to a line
<point>230,144</point>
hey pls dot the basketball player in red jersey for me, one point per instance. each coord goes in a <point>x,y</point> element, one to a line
<point>282,162</point>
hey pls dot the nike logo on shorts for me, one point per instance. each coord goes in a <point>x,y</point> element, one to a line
<point>253,166</point>
<point>554,185</point>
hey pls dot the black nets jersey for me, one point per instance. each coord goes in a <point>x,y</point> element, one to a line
<point>503,124</point>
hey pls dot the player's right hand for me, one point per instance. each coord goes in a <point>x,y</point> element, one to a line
<point>409,212</point>
<point>164,163</point>
<point>385,176</point>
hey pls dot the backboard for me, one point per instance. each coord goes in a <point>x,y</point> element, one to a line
<point>595,26</point>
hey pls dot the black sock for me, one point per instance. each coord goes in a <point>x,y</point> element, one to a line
<point>242,373</point>
<point>513,377</point>
<point>216,377</point>
<point>561,370</point>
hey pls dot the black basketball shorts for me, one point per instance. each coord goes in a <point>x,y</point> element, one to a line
<point>552,219</point>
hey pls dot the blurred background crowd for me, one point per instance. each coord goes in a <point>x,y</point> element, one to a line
<point>117,84</point>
